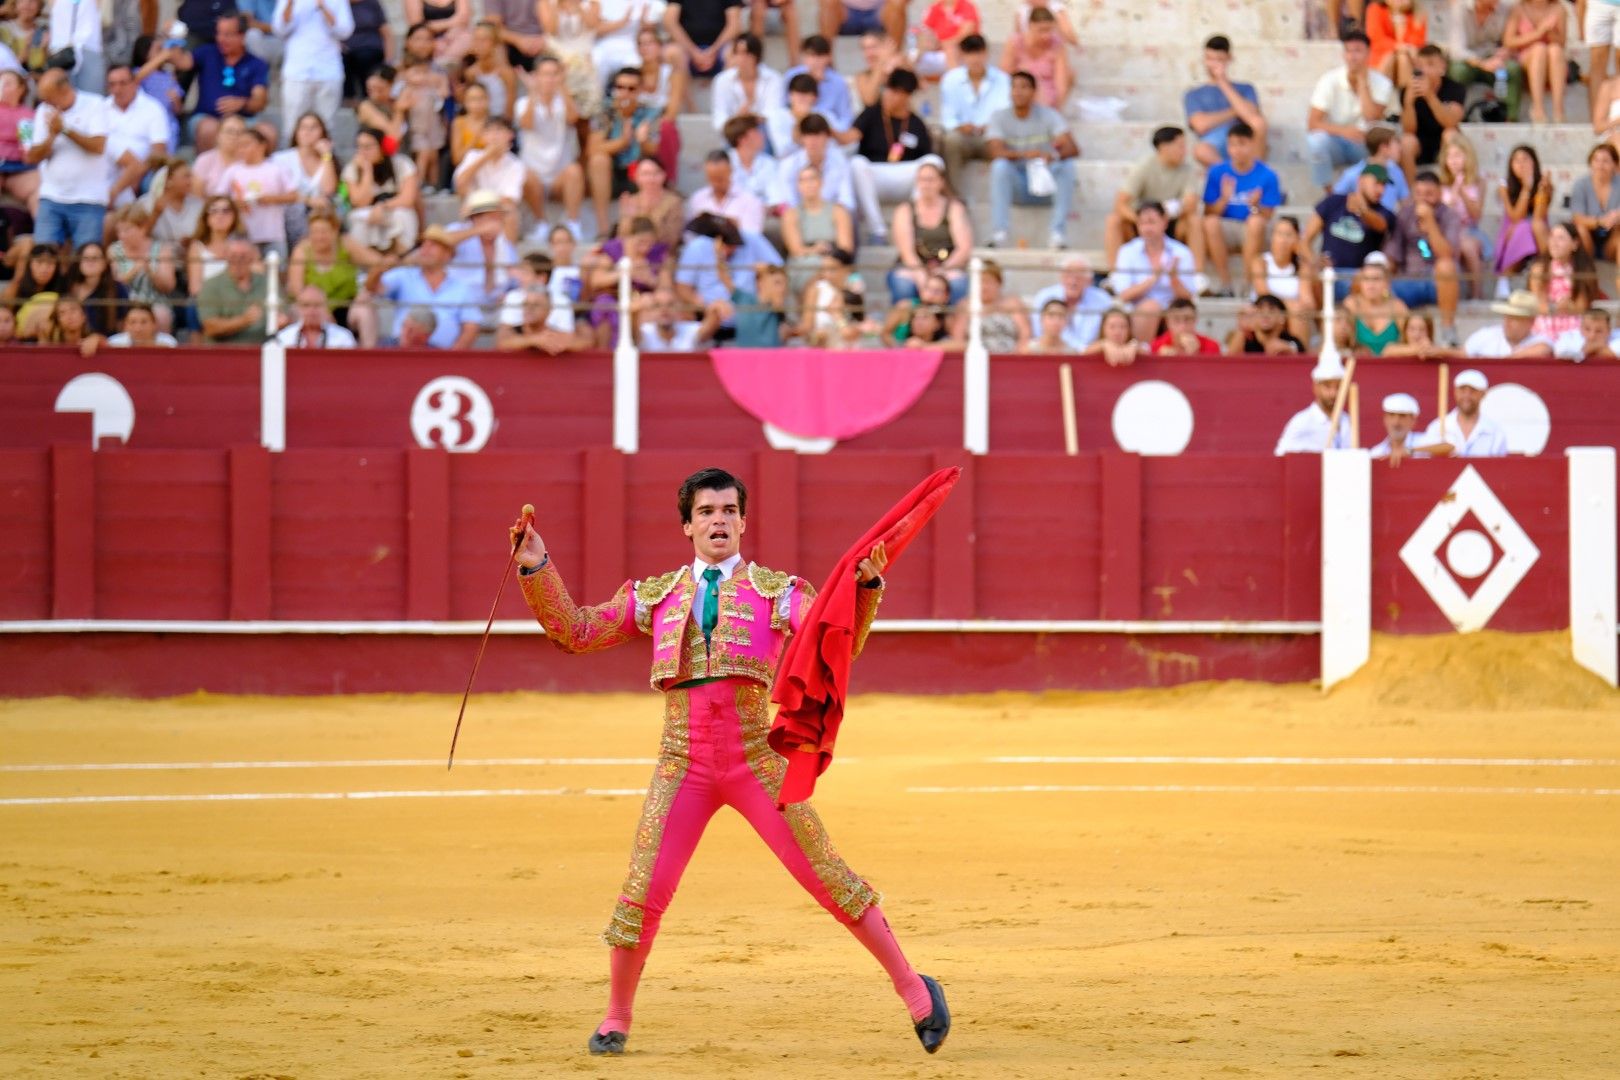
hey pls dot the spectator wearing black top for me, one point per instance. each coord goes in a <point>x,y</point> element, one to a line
<point>1352,226</point>
<point>702,29</point>
<point>889,141</point>
<point>1433,106</point>
<point>1264,329</point>
<point>366,48</point>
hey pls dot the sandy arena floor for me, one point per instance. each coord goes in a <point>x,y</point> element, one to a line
<point>1418,916</point>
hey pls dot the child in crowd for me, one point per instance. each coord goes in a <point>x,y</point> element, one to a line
<point>467,132</point>
<point>382,111</point>
<point>759,317</point>
<point>1054,319</point>
<point>261,190</point>
<point>421,93</point>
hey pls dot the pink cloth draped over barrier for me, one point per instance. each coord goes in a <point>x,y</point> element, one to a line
<point>826,393</point>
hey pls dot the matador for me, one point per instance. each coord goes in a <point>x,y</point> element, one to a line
<point>718,627</point>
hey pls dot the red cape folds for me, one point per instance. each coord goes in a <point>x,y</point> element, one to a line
<point>813,679</point>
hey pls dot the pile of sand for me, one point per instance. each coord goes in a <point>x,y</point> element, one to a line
<point>1486,671</point>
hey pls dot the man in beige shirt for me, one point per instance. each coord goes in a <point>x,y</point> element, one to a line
<point>1170,178</point>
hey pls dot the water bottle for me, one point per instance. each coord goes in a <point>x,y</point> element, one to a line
<point>1501,83</point>
<point>341,202</point>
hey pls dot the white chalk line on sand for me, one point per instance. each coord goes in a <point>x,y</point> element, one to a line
<point>1099,789</point>
<point>522,762</point>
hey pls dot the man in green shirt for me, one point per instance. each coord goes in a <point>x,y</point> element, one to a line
<point>231,303</point>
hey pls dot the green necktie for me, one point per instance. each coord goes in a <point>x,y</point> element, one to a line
<point>711,601</point>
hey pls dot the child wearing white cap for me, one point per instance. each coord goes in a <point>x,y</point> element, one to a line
<point>1400,417</point>
<point>1469,432</point>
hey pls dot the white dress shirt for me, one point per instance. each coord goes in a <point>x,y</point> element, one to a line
<point>1307,432</point>
<point>1491,343</point>
<point>333,336</point>
<point>1488,439</point>
<point>740,205</point>
<point>138,130</point>
<point>683,337</point>
<point>1132,267</point>
<point>961,103</point>
<point>784,602</point>
<point>160,340</point>
<point>313,52</point>
<point>728,97</point>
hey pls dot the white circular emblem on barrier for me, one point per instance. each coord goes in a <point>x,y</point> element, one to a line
<point>1153,418</point>
<point>1469,553</point>
<point>112,411</point>
<point>452,412</point>
<point>1522,414</point>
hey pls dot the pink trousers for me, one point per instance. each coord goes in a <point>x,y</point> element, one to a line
<point>714,754</point>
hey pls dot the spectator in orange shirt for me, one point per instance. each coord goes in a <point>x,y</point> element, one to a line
<point>1181,336</point>
<point>1396,32</point>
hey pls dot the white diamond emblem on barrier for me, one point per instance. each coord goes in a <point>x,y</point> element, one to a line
<point>1421,553</point>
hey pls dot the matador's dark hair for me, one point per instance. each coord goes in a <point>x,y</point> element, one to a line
<point>710,480</point>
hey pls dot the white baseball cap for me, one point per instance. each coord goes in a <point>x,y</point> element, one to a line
<point>1327,369</point>
<point>1401,403</point>
<point>1472,377</point>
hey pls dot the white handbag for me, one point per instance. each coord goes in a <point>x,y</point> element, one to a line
<point>1039,177</point>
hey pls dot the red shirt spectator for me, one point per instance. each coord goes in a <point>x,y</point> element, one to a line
<point>1181,336</point>
<point>950,18</point>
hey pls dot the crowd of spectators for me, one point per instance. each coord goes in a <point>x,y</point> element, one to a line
<point>153,171</point>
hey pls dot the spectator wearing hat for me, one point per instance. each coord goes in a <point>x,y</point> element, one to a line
<point>1467,432</point>
<point>496,170</point>
<point>890,139</point>
<point>1422,249</point>
<point>1344,102</point>
<point>1181,336</point>
<point>1213,108</point>
<point>969,95</point>
<point>1400,441</point>
<point>1352,226</point>
<point>1033,162</point>
<point>1167,178</point>
<point>484,255</point>
<point>1307,431</point>
<point>427,284</point>
<point>1240,194</point>
<point>1383,148</point>
<point>1513,337</point>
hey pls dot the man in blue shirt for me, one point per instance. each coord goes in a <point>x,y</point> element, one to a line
<point>1240,195</point>
<point>1383,148</point>
<point>230,81</point>
<point>1213,108</point>
<point>430,284</point>
<point>833,99</point>
<point>969,96</point>
<point>698,283</point>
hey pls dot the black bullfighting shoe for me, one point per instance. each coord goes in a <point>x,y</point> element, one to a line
<point>932,1030</point>
<point>610,1043</point>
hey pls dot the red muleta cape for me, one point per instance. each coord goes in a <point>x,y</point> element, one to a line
<point>813,679</point>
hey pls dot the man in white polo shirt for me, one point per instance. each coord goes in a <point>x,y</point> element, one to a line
<point>1400,442</point>
<point>1307,430</point>
<point>1469,432</point>
<point>1512,338</point>
<point>137,128</point>
<point>70,147</point>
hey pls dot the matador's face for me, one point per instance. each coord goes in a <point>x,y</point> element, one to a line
<point>717,524</point>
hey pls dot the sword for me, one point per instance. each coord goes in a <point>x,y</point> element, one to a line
<point>506,574</point>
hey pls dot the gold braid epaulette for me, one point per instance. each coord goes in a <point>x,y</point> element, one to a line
<point>770,584</point>
<point>652,590</point>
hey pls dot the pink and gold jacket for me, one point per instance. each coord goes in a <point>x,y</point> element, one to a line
<point>759,610</point>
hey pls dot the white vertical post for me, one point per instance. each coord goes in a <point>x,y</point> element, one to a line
<point>1330,350</point>
<point>1593,614</point>
<point>626,373</point>
<point>1346,564</point>
<point>975,370</point>
<point>272,294</point>
<point>273,395</point>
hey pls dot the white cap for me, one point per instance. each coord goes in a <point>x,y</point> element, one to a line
<point>1376,258</point>
<point>1401,403</point>
<point>1327,369</point>
<point>1472,377</point>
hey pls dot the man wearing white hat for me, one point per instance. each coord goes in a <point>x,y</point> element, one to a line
<point>485,254</point>
<point>1513,338</point>
<point>1400,417</point>
<point>1307,430</point>
<point>1469,432</point>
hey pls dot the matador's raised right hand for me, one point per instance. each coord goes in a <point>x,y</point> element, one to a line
<point>531,550</point>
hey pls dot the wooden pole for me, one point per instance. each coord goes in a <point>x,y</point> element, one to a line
<point>1445,390</point>
<point>1355,416</point>
<point>1339,402</point>
<point>1071,426</point>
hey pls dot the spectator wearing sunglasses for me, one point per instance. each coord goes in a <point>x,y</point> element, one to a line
<point>230,82</point>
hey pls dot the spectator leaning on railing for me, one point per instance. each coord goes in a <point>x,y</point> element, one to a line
<point>314,328</point>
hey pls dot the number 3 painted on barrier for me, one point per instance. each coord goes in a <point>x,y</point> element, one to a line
<point>453,412</point>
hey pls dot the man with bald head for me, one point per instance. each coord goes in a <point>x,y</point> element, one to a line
<point>231,303</point>
<point>1078,290</point>
<point>314,328</point>
<point>69,145</point>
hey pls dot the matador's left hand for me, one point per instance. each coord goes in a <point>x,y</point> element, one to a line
<point>872,566</point>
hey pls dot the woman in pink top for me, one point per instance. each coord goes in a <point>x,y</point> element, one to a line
<point>18,179</point>
<point>1039,51</point>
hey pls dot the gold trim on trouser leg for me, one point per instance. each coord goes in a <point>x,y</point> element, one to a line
<point>848,890</point>
<point>624,929</point>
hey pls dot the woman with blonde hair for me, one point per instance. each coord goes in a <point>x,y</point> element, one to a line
<point>1373,314</point>
<point>1463,192</point>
